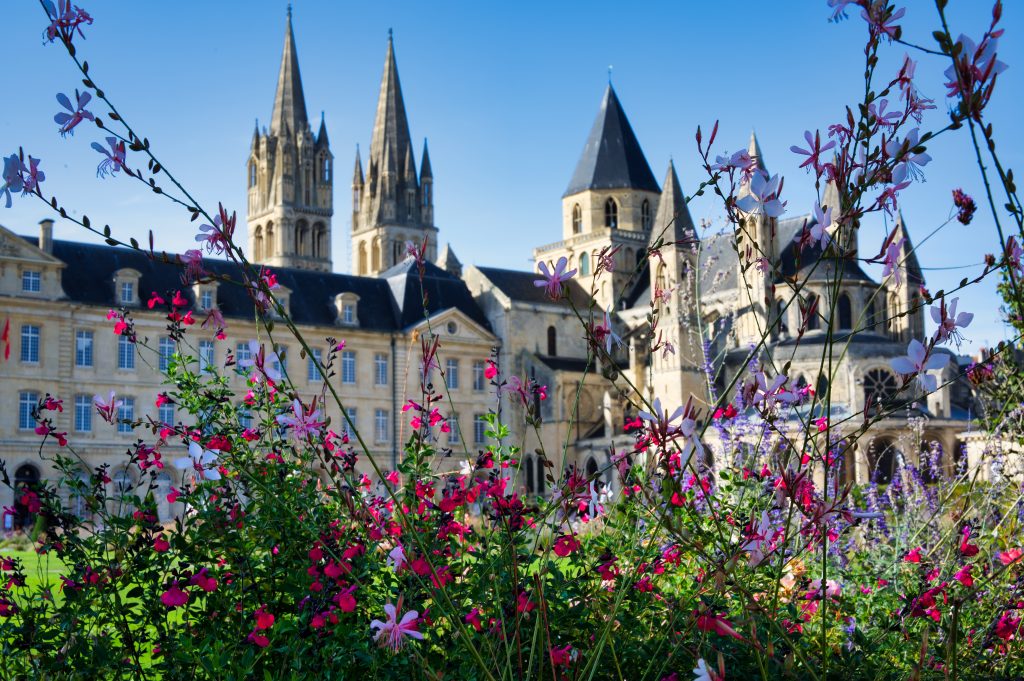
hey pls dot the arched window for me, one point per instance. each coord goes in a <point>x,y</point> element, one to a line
<point>541,484</point>
<point>375,252</point>
<point>319,240</point>
<point>813,320</point>
<point>301,238</point>
<point>882,459</point>
<point>257,243</point>
<point>26,477</point>
<point>325,169</point>
<point>577,219</point>
<point>552,342</point>
<point>396,251</point>
<point>252,174</point>
<point>591,468</point>
<point>871,316</point>
<point>821,387</point>
<point>584,264</point>
<point>645,214</point>
<point>880,388</point>
<point>528,465</point>
<point>362,258</point>
<point>611,214</point>
<point>355,199</point>
<point>845,312</point>
<point>780,316</point>
<point>269,247</point>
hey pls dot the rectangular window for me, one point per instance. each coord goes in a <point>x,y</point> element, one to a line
<point>281,363</point>
<point>31,281</point>
<point>347,429</point>
<point>207,356</point>
<point>166,353</point>
<point>479,380</point>
<point>29,343</point>
<point>244,416</point>
<point>83,413</point>
<point>380,369</point>
<point>166,413</point>
<point>125,415</point>
<point>380,425</point>
<point>313,363</point>
<point>206,299</point>
<point>451,374</point>
<point>125,353</point>
<point>83,348</point>
<point>127,292</point>
<point>242,352</point>
<point>348,313</point>
<point>479,429</point>
<point>27,401</point>
<point>453,434</point>
<point>348,367</point>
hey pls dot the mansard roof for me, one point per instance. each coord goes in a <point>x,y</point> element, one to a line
<point>519,287</point>
<point>289,102</point>
<point>612,157</point>
<point>386,304</point>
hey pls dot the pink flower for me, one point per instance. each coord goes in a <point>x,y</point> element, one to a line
<point>910,163</point>
<point>192,259</point>
<point>717,624</point>
<point>552,281</point>
<point>114,159</point>
<point>204,581</point>
<point>491,371</point>
<point>262,363</point>
<point>565,545</point>
<point>391,633</point>
<point>948,321</point>
<point>68,121</point>
<point>1010,556</point>
<point>215,320</point>
<point>892,261</point>
<point>561,657</point>
<point>1007,626</point>
<point>218,236</point>
<point>161,545</point>
<point>174,597</point>
<point>304,423</point>
<point>813,151</point>
<point>963,575</point>
<point>108,409</point>
<point>396,559</point>
<point>763,196</point>
<point>880,18</point>
<point>65,19</point>
<point>913,556</point>
<point>919,362</point>
<point>264,619</point>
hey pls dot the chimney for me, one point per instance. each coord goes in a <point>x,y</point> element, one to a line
<point>46,235</point>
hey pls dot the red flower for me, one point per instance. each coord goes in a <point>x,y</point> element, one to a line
<point>913,556</point>
<point>264,619</point>
<point>565,545</point>
<point>207,583</point>
<point>160,545</point>
<point>174,597</point>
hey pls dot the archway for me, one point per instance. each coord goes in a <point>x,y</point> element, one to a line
<point>26,479</point>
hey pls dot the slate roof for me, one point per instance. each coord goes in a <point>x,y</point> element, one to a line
<point>672,221</point>
<point>385,304</point>
<point>576,364</point>
<point>519,287</point>
<point>612,157</point>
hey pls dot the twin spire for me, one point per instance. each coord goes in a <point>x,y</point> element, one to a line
<point>289,116</point>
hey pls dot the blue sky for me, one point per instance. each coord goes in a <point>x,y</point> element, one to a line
<point>506,94</point>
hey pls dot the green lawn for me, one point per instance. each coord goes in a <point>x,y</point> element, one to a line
<point>38,569</point>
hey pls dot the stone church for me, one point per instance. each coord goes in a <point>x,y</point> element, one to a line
<point>56,295</point>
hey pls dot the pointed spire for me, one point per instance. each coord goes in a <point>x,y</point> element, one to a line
<point>425,171</point>
<point>612,157</point>
<point>289,103</point>
<point>672,209</point>
<point>448,262</point>
<point>321,135</point>
<point>357,174</point>
<point>256,134</point>
<point>409,169</point>
<point>754,149</point>
<point>390,127</point>
<point>908,256</point>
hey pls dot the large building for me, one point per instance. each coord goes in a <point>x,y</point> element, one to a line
<point>56,296</point>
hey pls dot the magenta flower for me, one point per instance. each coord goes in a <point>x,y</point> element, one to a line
<point>392,632</point>
<point>839,9</point>
<point>880,18</point>
<point>813,151</point>
<point>218,235</point>
<point>107,409</point>
<point>192,259</point>
<point>976,66</point>
<point>114,158</point>
<point>763,197</point>
<point>174,597</point>
<point>740,160</point>
<point>68,121</point>
<point>759,541</point>
<point>262,363</point>
<point>949,321</point>
<point>552,281</point>
<point>767,396</point>
<point>919,362</point>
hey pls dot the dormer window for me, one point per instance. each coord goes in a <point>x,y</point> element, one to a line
<point>345,305</point>
<point>206,296</point>
<point>31,281</point>
<point>126,286</point>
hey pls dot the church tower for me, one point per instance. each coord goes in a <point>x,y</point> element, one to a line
<point>391,204</point>
<point>905,307</point>
<point>290,179</point>
<point>611,201</point>
<point>757,240</point>
<point>676,376</point>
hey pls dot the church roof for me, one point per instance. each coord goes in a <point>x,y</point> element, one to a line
<point>518,286</point>
<point>908,254</point>
<point>448,261</point>
<point>390,142</point>
<point>289,102</point>
<point>672,221</point>
<point>385,304</point>
<point>612,157</point>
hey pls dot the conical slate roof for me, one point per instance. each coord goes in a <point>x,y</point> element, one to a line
<point>908,256</point>
<point>754,149</point>
<point>425,171</point>
<point>390,142</point>
<point>289,102</point>
<point>612,157</point>
<point>672,221</point>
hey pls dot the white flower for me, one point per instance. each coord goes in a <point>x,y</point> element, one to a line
<point>919,362</point>
<point>948,321</point>
<point>202,461</point>
<point>763,196</point>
